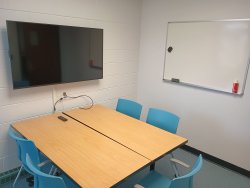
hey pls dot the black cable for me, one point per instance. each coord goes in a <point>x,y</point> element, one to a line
<point>66,96</point>
<point>59,100</point>
<point>92,102</point>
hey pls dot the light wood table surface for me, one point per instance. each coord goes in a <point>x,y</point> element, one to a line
<point>91,159</point>
<point>144,139</point>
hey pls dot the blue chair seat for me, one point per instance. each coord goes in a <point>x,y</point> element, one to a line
<point>25,146</point>
<point>155,180</point>
<point>166,121</point>
<point>43,180</point>
<point>45,168</point>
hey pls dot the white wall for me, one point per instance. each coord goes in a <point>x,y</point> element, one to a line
<point>213,122</point>
<point>120,20</point>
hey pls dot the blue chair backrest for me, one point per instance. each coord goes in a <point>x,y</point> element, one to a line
<point>42,180</point>
<point>25,146</point>
<point>130,108</point>
<point>13,135</point>
<point>187,180</point>
<point>163,119</point>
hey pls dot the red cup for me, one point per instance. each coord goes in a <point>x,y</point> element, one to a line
<point>235,87</point>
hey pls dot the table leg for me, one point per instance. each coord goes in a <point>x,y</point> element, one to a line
<point>152,166</point>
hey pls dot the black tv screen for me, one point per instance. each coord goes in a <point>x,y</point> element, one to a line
<point>44,54</point>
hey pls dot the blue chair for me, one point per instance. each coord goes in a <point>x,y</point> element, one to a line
<point>156,180</point>
<point>130,108</point>
<point>42,180</point>
<point>163,119</point>
<point>168,122</point>
<point>25,146</point>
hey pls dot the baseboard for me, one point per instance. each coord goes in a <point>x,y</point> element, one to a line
<point>10,175</point>
<point>217,160</point>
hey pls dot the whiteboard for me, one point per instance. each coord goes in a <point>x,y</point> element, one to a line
<point>208,54</point>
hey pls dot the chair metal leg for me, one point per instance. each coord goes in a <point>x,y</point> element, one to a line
<point>51,169</point>
<point>175,166</point>
<point>54,173</point>
<point>19,172</point>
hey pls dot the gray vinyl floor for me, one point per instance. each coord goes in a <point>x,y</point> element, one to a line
<point>210,176</point>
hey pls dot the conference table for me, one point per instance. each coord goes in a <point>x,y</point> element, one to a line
<point>98,147</point>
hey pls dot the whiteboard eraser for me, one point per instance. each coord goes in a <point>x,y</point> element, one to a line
<point>175,80</point>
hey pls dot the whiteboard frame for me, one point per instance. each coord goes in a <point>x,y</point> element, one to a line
<point>200,86</point>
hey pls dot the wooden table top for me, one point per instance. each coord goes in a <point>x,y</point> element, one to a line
<point>88,157</point>
<point>147,140</point>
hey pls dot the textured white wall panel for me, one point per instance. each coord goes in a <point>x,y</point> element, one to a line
<point>120,20</point>
<point>213,122</point>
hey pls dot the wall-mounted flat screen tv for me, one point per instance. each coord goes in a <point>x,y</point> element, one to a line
<point>44,54</point>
